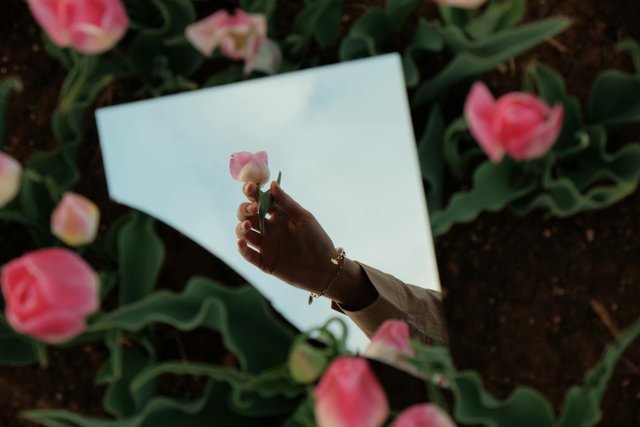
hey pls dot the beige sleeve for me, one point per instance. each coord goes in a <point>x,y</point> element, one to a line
<point>421,308</point>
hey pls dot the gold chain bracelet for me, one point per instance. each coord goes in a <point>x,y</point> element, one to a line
<point>339,261</point>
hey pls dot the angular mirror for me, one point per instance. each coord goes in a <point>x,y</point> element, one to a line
<point>340,134</point>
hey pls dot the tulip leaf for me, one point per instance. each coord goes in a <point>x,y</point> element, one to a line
<point>455,16</point>
<point>582,403</point>
<point>615,98</point>
<point>264,7</point>
<point>231,74</point>
<point>209,304</point>
<point>494,187</point>
<point>370,35</point>
<point>430,157</point>
<point>7,86</point>
<point>475,57</point>
<point>460,149</point>
<point>140,254</point>
<point>320,19</point>
<point>425,39</point>
<point>158,412</point>
<point>632,47</point>
<point>400,10</point>
<point>552,89</point>
<point>498,15</point>
<point>304,415</point>
<point>14,348</point>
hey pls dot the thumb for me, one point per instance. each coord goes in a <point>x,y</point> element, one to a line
<point>285,202</point>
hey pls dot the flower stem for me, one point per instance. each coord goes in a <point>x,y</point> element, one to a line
<point>41,352</point>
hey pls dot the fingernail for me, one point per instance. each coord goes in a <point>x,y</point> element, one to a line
<point>251,209</point>
<point>246,226</point>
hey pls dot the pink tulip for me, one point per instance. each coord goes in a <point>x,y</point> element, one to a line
<point>423,415</point>
<point>10,178</point>
<point>49,293</point>
<point>75,220</point>
<point>349,395</point>
<point>518,123</point>
<point>247,167</point>
<point>463,4</point>
<point>241,36</point>
<point>89,26</point>
<point>390,343</point>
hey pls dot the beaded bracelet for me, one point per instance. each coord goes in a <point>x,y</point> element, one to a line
<point>339,261</point>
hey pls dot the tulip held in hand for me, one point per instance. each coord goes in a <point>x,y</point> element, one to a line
<point>10,178</point>
<point>49,293</point>
<point>89,26</point>
<point>241,36</point>
<point>75,220</point>
<point>423,415</point>
<point>518,124</point>
<point>390,343</point>
<point>349,395</point>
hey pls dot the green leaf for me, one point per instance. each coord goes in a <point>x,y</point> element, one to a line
<point>430,157</point>
<point>264,7</point>
<point>498,15</point>
<point>454,16</point>
<point>552,89</point>
<point>425,40</point>
<point>230,74</point>
<point>582,403</point>
<point>460,150</point>
<point>14,348</point>
<point>209,304</point>
<point>400,10</point>
<point>141,254</point>
<point>494,187</point>
<point>615,98</point>
<point>7,85</point>
<point>475,57</point>
<point>322,19</point>
<point>632,47</point>
<point>304,415</point>
<point>370,35</point>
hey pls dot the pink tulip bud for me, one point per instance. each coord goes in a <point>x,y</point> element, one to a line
<point>390,343</point>
<point>89,26</point>
<point>423,415</point>
<point>75,220</point>
<point>462,4</point>
<point>241,36</point>
<point>306,363</point>
<point>10,178</point>
<point>49,293</point>
<point>518,123</point>
<point>349,395</point>
<point>248,167</point>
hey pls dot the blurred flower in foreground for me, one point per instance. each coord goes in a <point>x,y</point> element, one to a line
<point>75,220</point>
<point>518,123</point>
<point>423,415</point>
<point>248,167</point>
<point>349,395</point>
<point>463,4</point>
<point>10,178</point>
<point>306,362</point>
<point>89,26</point>
<point>49,293</point>
<point>390,343</point>
<point>241,36</point>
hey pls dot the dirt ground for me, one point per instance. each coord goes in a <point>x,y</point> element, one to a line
<point>529,301</point>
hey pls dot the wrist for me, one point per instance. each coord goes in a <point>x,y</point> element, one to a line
<point>352,289</point>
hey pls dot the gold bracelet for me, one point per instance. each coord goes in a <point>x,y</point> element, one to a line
<point>339,261</point>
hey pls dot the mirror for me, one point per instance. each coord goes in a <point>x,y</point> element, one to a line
<point>340,134</point>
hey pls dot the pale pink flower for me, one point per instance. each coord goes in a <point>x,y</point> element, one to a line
<point>423,415</point>
<point>248,167</point>
<point>349,395</point>
<point>49,293</point>
<point>10,178</point>
<point>89,26</point>
<point>390,343</point>
<point>463,4</point>
<point>518,124</point>
<point>75,220</point>
<point>241,36</point>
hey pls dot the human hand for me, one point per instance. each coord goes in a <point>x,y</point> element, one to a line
<point>294,247</point>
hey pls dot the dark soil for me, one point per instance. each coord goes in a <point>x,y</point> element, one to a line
<point>529,301</point>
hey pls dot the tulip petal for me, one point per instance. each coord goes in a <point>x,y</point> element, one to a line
<point>75,220</point>
<point>479,111</point>
<point>237,162</point>
<point>52,327</point>
<point>463,4</point>
<point>268,58</point>
<point>48,14</point>
<point>546,135</point>
<point>205,35</point>
<point>10,178</point>
<point>423,415</point>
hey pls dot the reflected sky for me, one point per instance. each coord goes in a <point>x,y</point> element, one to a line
<point>340,134</point>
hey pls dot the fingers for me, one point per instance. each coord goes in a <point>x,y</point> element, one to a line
<point>285,202</point>
<point>244,231</point>
<point>248,211</point>
<point>250,191</point>
<point>249,254</point>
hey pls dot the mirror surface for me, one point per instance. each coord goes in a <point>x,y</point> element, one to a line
<point>340,134</point>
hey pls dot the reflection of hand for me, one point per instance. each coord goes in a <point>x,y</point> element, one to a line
<point>294,247</point>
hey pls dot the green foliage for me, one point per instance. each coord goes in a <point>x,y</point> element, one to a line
<point>400,10</point>
<point>497,16</point>
<point>472,58</point>
<point>209,304</point>
<point>372,34</point>
<point>265,7</point>
<point>320,19</point>
<point>14,348</point>
<point>425,40</point>
<point>431,159</point>
<point>7,85</point>
<point>140,255</point>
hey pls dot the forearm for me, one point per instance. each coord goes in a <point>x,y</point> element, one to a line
<point>352,289</point>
